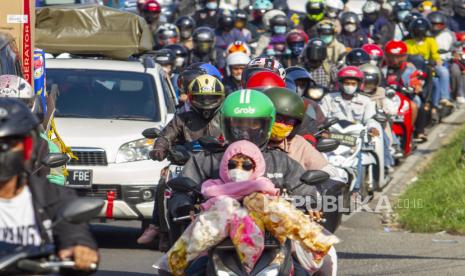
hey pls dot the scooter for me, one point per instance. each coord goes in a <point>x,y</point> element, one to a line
<point>35,260</point>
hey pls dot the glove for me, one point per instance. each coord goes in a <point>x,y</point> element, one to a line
<point>157,154</point>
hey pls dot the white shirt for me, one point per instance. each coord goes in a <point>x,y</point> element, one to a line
<point>17,220</point>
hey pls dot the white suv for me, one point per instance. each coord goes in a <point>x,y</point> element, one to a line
<point>101,110</point>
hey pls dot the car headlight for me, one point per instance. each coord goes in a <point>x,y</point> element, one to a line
<point>272,270</point>
<point>134,151</point>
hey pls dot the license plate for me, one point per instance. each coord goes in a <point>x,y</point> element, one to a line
<point>79,178</point>
<point>346,140</point>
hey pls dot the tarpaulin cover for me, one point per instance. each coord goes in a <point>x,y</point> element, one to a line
<point>91,29</point>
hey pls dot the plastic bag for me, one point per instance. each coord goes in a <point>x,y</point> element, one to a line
<point>248,238</point>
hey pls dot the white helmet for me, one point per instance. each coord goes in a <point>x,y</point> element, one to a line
<point>270,14</point>
<point>334,4</point>
<point>12,86</point>
<point>237,58</point>
<point>371,7</point>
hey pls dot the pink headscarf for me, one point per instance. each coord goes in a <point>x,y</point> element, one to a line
<point>214,188</point>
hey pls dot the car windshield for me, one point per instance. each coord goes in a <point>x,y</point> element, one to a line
<point>104,94</point>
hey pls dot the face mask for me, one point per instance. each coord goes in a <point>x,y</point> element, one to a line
<point>211,5</point>
<point>332,14</point>
<point>203,47</point>
<point>238,77</point>
<point>238,175</point>
<point>297,49</point>
<point>12,163</point>
<point>186,34</point>
<point>179,62</point>
<point>350,28</point>
<point>327,38</point>
<point>300,90</point>
<point>280,131</point>
<point>401,15</point>
<point>349,89</point>
<point>279,29</point>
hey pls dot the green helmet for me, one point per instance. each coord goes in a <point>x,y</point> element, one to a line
<point>247,115</point>
<point>286,102</point>
<point>315,10</point>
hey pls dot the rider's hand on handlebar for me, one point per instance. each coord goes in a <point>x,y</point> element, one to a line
<point>157,154</point>
<point>374,132</point>
<point>83,256</point>
<point>315,215</point>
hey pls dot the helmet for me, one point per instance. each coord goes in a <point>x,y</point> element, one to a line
<point>166,34</point>
<point>427,7</point>
<point>151,6</point>
<point>237,58</point>
<point>371,11</point>
<point>278,24</point>
<point>238,46</point>
<point>438,22</point>
<point>186,26</point>
<point>12,86</point>
<point>287,104</point>
<point>375,52</point>
<point>410,17</point>
<point>226,20</point>
<point>264,80</point>
<point>247,115</point>
<point>206,93</point>
<point>203,38</point>
<point>419,28</point>
<point>186,76</point>
<point>262,5</point>
<point>302,79</point>
<point>350,72</point>
<point>263,64</point>
<point>181,53</point>
<point>281,5</point>
<point>395,47</point>
<point>350,21</point>
<point>270,15</point>
<point>459,8</point>
<point>296,40</point>
<point>16,119</point>
<point>165,57</point>
<point>333,8</point>
<point>326,31</point>
<point>315,10</point>
<point>208,68</point>
<point>357,57</point>
<point>372,77</point>
<point>240,19</point>
<point>316,50</point>
<point>401,9</point>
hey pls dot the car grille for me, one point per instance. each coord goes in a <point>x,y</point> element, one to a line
<point>100,191</point>
<point>89,157</point>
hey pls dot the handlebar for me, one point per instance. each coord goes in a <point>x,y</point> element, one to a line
<point>48,267</point>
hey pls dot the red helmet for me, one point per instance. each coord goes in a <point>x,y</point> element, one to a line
<point>375,52</point>
<point>296,36</point>
<point>350,72</point>
<point>151,6</point>
<point>395,47</point>
<point>264,80</point>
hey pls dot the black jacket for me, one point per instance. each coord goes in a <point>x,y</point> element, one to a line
<point>49,199</point>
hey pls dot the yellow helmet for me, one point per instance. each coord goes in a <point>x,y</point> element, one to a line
<point>206,92</point>
<point>427,6</point>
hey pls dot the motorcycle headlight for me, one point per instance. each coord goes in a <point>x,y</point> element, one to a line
<point>134,151</point>
<point>272,270</point>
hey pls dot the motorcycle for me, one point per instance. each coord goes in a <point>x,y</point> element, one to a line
<point>42,259</point>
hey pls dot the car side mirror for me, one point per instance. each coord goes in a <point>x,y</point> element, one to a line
<point>327,145</point>
<point>82,210</point>
<point>314,177</point>
<point>380,118</point>
<point>151,133</point>
<point>55,160</point>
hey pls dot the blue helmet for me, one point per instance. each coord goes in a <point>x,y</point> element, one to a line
<point>262,5</point>
<point>208,68</point>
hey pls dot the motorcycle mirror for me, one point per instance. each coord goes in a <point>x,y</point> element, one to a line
<point>380,118</point>
<point>55,160</point>
<point>329,122</point>
<point>314,177</point>
<point>183,185</point>
<point>211,144</point>
<point>82,210</point>
<point>327,145</point>
<point>151,133</point>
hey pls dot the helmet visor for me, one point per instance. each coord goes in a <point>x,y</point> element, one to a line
<point>206,101</point>
<point>203,47</point>
<point>254,130</point>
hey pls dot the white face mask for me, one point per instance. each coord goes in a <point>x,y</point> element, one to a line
<point>238,175</point>
<point>238,77</point>
<point>350,28</point>
<point>349,89</point>
<point>179,62</point>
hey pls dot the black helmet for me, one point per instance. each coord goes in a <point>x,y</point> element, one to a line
<point>419,28</point>
<point>165,57</point>
<point>16,119</point>
<point>204,38</point>
<point>281,5</point>
<point>188,75</point>
<point>410,17</point>
<point>357,57</point>
<point>438,22</point>
<point>402,9</point>
<point>278,24</point>
<point>240,15</point>
<point>226,20</point>
<point>326,28</point>
<point>315,50</point>
<point>181,54</point>
<point>186,25</point>
<point>166,34</point>
<point>349,18</point>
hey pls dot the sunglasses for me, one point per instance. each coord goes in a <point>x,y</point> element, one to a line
<point>246,165</point>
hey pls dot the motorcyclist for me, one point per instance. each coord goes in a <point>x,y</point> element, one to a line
<point>203,50</point>
<point>207,14</point>
<point>167,59</point>
<point>348,103</point>
<point>333,9</point>
<point>277,47</point>
<point>166,34</point>
<point>357,57</point>
<point>275,23</point>
<point>236,63</point>
<point>30,204</point>
<point>315,13</point>
<point>226,33</point>
<point>425,46</point>
<point>186,26</point>
<point>181,56</point>
<point>296,41</point>
<point>459,16</point>
<point>373,19</point>
<point>314,60</point>
<point>352,35</point>
<point>396,29</point>
<point>240,23</point>
<point>335,49</point>
<point>259,8</point>
<point>206,94</point>
<point>151,13</point>
<point>375,52</point>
